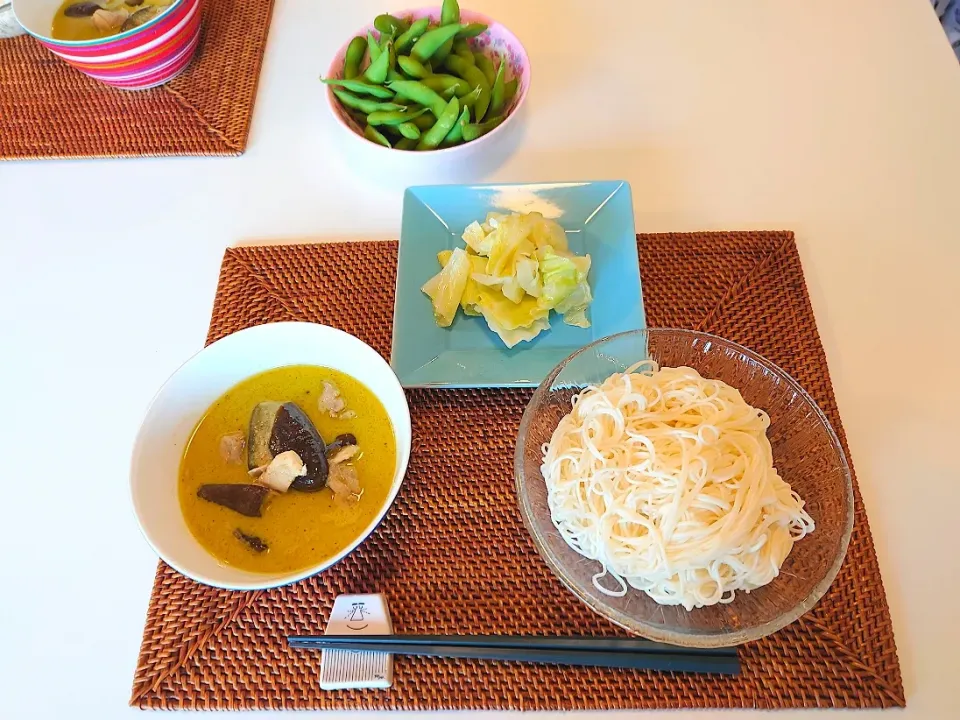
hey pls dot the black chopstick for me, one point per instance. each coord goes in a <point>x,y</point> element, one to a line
<point>584,651</point>
<point>556,642</point>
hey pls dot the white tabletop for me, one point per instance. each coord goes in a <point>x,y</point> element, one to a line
<point>838,120</point>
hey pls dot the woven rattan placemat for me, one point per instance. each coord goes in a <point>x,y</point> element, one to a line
<point>453,555</point>
<point>50,110</point>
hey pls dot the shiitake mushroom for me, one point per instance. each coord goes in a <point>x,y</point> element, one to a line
<point>244,499</point>
<point>279,427</point>
<point>81,9</point>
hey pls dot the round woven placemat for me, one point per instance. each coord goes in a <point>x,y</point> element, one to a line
<point>453,555</point>
<point>50,110</point>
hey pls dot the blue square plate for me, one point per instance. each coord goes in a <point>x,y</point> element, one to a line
<point>598,219</point>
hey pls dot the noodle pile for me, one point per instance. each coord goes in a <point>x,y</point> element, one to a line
<point>667,480</point>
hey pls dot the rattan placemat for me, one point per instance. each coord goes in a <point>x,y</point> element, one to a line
<point>453,555</point>
<point>50,110</point>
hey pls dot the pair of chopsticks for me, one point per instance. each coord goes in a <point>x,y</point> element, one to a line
<point>579,650</point>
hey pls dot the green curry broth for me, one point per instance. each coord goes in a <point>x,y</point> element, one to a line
<point>301,529</point>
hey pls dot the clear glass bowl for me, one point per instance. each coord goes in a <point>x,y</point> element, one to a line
<point>806,452</point>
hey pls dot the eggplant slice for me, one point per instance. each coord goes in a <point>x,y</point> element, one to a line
<point>279,427</point>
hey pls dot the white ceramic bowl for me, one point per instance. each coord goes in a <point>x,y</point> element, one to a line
<point>188,393</point>
<point>495,41</point>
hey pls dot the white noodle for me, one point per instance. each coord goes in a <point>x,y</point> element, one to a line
<point>667,480</point>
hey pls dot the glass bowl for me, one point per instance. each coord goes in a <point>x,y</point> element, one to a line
<point>806,453</point>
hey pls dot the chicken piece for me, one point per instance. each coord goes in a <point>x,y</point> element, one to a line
<point>345,483</point>
<point>282,471</point>
<point>232,447</point>
<point>344,454</point>
<point>109,20</point>
<point>330,401</point>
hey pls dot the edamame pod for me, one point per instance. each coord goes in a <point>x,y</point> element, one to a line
<point>393,117</point>
<point>413,68</point>
<point>364,105</point>
<point>475,130</point>
<point>498,93</point>
<point>389,25</point>
<point>456,132</point>
<point>374,135</point>
<point>450,13</point>
<point>431,41</point>
<point>359,86</point>
<point>510,89</point>
<point>462,49</point>
<point>411,35</point>
<point>443,83</point>
<point>485,64</point>
<point>409,130</point>
<point>441,54</point>
<point>419,93</point>
<point>376,71</point>
<point>471,30</point>
<point>353,57</point>
<point>405,144</point>
<point>432,138</point>
<point>476,78</point>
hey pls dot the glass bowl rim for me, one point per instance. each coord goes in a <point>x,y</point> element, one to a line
<point>702,640</point>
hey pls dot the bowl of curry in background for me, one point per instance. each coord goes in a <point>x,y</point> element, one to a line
<point>270,455</point>
<point>129,44</point>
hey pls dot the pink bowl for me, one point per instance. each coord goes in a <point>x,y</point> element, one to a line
<point>496,41</point>
<point>143,57</point>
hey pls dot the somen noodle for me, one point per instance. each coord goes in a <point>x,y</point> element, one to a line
<point>666,478</point>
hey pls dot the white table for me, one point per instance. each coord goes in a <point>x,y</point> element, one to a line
<point>838,120</point>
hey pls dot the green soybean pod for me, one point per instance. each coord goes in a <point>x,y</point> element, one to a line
<point>389,25</point>
<point>412,34</point>
<point>373,46</point>
<point>364,105</point>
<point>432,138</point>
<point>441,54</point>
<point>405,144</point>
<point>419,93</point>
<point>475,130</point>
<point>498,94</point>
<point>409,130</point>
<point>456,132</point>
<point>425,122</point>
<point>471,30</point>
<point>374,135</point>
<point>485,64</point>
<point>353,57</point>
<point>413,67</point>
<point>470,99</point>
<point>431,41</point>
<point>360,87</point>
<point>377,70</point>
<point>476,78</point>
<point>462,49</point>
<point>450,13</point>
<point>393,76</point>
<point>443,83</point>
<point>393,117</point>
<point>510,89</point>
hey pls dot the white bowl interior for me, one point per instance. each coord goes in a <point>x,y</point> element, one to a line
<point>184,398</point>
